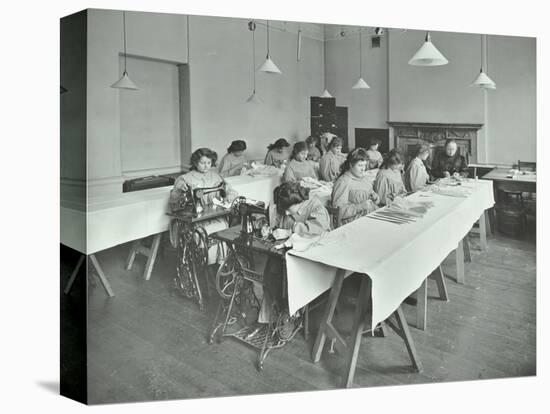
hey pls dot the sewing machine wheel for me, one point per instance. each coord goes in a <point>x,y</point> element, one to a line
<point>183,281</point>
<point>192,258</point>
<point>236,205</point>
<point>200,237</point>
<point>226,277</point>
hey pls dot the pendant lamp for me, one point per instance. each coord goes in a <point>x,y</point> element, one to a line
<point>124,82</point>
<point>326,93</point>
<point>428,55</point>
<point>299,45</point>
<point>483,80</point>
<point>360,84</point>
<point>253,98</point>
<point>269,66</point>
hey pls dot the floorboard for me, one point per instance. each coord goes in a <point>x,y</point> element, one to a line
<point>148,343</point>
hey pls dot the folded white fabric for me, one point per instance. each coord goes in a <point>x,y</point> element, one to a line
<point>302,243</point>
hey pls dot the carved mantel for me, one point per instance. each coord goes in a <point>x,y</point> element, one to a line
<point>408,135</point>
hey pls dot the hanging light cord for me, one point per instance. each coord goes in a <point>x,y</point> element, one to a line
<point>325,57</point>
<point>267,23</point>
<point>487,53</point>
<point>254,60</point>
<point>360,55</point>
<point>124,32</point>
<point>481,52</point>
<point>188,42</point>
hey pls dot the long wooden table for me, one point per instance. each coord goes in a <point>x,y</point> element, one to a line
<point>394,259</point>
<point>116,219</point>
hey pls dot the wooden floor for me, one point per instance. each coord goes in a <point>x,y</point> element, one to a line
<point>148,344</point>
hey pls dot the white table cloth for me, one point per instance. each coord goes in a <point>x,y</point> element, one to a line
<point>258,187</point>
<point>113,220</point>
<point>397,258</point>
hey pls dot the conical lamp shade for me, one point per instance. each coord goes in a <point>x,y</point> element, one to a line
<point>125,83</point>
<point>254,99</point>
<point>269,66</point>
<point>484,81</point>
<point>326,94</point>
<point>360,84</point>
<point>428,55</point>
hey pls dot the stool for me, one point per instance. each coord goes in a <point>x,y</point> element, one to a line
<point>511,197</point>
<point>511,219</point>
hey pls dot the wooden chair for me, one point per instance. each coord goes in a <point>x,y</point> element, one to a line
<point>335,215</point>
<point>511,219</point>
<point>513,207</point>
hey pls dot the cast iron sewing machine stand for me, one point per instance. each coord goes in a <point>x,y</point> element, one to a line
<point>234,285</point>
<point>193,244</point>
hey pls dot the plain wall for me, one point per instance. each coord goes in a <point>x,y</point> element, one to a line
<point>221,81</point>
<point>366,108</point>
<point>153,35</point>
<point>512,106</point>
<point>150,119</point>
<point>404,93</point>
<point>220,68</point>
<point>437,93</point>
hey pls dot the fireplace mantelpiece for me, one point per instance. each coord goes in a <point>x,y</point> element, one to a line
<point>408,135</point>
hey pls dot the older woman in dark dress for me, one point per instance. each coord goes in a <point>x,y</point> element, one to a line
<point>450,163</point>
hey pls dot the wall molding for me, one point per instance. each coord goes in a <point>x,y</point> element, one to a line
<point>74,182</point>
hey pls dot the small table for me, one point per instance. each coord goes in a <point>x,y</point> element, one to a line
<point>236,289</point>
<point>526,183</point>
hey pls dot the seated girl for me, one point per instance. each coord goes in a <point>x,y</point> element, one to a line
<point>203,175</point>
<point>313,153</point>
<point>277,153</point>
<point>233,162</point>
<point>329,167</point>
<point>297,212</point>
<point>416,175</point>
<point>375,157</point>
<point>352,191</point>
<point>299,167</point>
<point>388,183</point>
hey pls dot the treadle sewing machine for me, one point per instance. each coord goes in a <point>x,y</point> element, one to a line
<point>191,239</point>
<point>253,262</point>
